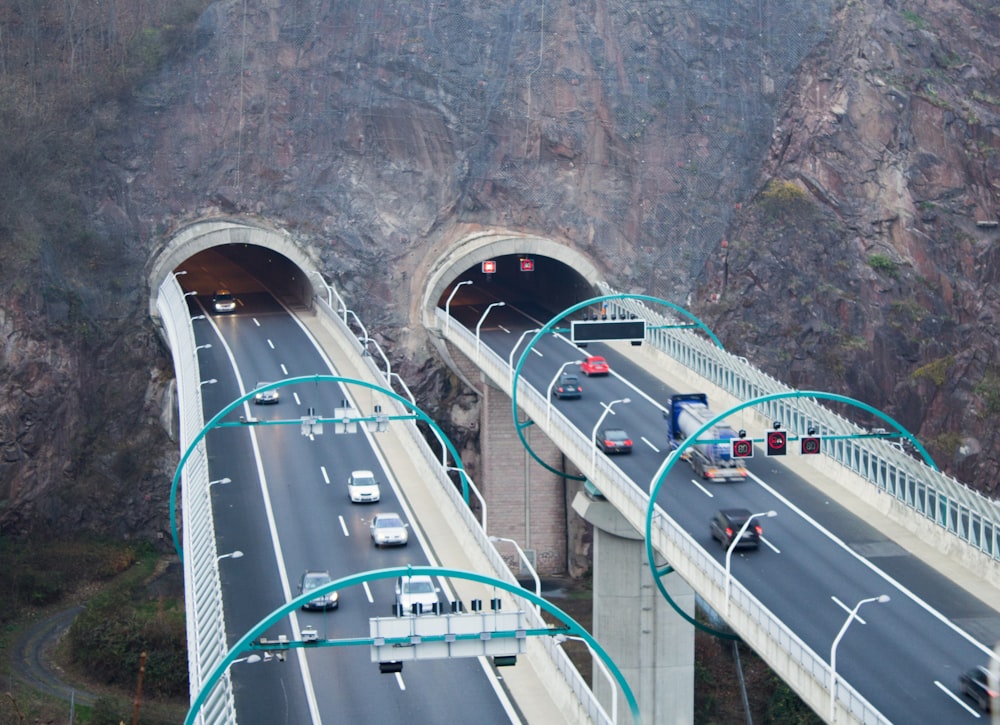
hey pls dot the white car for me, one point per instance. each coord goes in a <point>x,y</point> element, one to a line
<point>389,530</point>
<point>363,488</point>
<point>416,591</point>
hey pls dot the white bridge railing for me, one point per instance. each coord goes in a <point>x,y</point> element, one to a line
<point>807,672</point>
<point>206,626</point>
<point>950,504</point>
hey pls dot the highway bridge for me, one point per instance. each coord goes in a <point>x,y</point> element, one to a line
<point>864,522</point>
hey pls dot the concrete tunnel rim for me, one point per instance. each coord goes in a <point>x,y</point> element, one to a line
<point>190,239</point>
<point>479,246</point>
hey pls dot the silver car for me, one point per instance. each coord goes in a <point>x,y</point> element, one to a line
<point>389,530</point>
<point>223,301</point>
<point>265,397</point>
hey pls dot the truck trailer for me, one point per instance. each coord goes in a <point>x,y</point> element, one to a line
<point>713,461</point>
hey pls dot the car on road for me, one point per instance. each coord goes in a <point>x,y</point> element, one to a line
<point>567,387</point>
<point>389,529</point>
<point>614,440</point>
<point>223,301</point>
<point>595,365</point>
<point>265,397</point>
<point>975,684</point>
<point>416,591</point>
<point>312,580</point>
<point>726,524</point>
<point>363,487</point>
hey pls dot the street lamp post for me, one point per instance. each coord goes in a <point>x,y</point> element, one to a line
<point>481,319</point>
<point>472,487</point>
<point>560,638</point>
<point>220,481</point>
<point>210,381</point>
<point>447,304</point>
<point>206,346</point>
<point>231,555</point>
<point>548,393</point>
<point>510,360</point>
<point>735,542</point>
<point>329,295</point>
<point>527,563</point>
<point>593,435</point>
<point>882,599</point>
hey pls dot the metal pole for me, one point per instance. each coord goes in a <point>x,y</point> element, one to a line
<point>833,649</point>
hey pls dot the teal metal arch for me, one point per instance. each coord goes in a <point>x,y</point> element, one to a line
<point>247,640</point>
<point>216,422</point>
<point>675,456</point>
<point>548,328</point>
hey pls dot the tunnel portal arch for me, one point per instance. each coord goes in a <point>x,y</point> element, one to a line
<point>207,234</point>
<point>477,247</point>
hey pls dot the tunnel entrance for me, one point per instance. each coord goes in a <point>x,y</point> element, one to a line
<point>243,257</point>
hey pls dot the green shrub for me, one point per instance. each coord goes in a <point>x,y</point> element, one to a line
<point>784,199</point>
<point>936,371</point>
<point>884,265</point>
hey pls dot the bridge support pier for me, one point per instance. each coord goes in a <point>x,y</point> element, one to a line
<point>651,644</point>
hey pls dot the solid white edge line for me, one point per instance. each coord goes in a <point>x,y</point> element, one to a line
<point>988,651</point>
<point>449,594</point>
<point>275,543</point>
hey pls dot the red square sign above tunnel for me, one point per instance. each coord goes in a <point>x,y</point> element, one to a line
<point>489,266</point>
<point>527,265</point>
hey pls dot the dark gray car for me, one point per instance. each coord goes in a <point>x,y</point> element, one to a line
<point>727,523</point>
<point>567,387</point>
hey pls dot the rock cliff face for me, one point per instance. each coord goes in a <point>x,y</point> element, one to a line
<point>815,180</point>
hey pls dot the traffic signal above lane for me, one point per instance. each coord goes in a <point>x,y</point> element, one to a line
<point>598,330</point>
<point>777,442</point>
<point>742,448</point>
<point>809,445</point>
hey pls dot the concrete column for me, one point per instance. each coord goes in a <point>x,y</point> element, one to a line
<point>649,642</point>
<point>525,501</point>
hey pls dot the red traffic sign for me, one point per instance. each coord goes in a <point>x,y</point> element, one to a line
<point>489,266</point>
<point>742,448</point>
<point>777,442</point>
<point>809,445</point>
<point>527,265</point>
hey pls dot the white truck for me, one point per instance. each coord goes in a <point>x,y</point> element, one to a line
<point>713,461</point>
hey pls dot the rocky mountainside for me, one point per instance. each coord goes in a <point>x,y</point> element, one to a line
<point>815,180</point>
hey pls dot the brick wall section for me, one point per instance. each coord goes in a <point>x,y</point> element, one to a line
<point>520,494</point>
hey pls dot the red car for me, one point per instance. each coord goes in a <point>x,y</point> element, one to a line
<point>595,365</point>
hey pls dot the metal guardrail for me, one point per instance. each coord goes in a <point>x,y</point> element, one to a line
<point>748,616</point>
<point>949,503</point>
<point>206,627</point>
<point>588,701</point>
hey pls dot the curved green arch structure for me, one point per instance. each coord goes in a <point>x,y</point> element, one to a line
<point>246,641</point>
<point>215,422</point>
<point>547,328</point>
<point>675,456</point>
